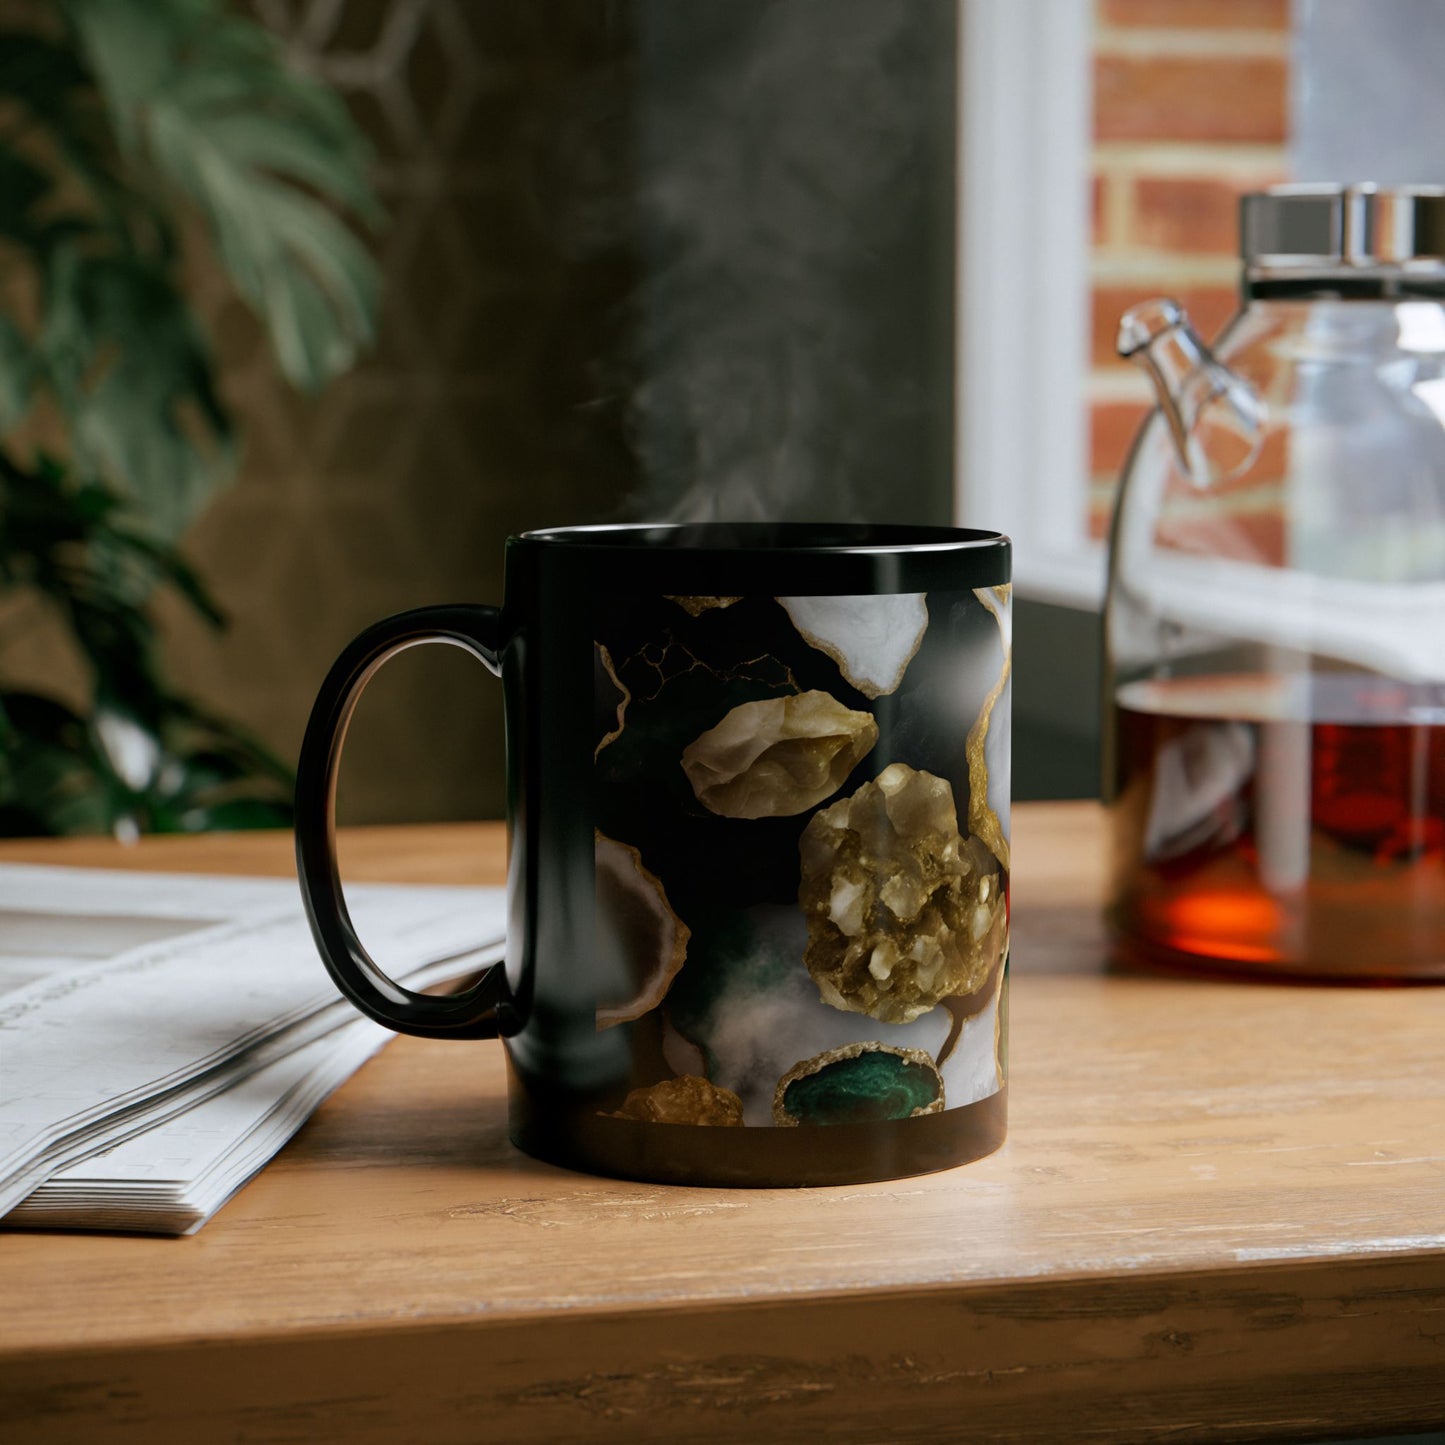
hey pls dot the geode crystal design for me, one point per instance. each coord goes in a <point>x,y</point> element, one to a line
<point>685,1100</point>
<point>644,943</point>
<point>777,756</point>
<point>902,910</point>
<point>859,1084</point>
<point>819,787</point>
<point>871,638</point>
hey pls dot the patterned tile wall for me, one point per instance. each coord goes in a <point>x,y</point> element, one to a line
<point>477,416</point>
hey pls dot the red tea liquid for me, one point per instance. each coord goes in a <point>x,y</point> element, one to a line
<point>1285,825</point>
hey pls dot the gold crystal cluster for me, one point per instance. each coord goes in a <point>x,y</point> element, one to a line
<point>687,1099</point>
<point>902,910</point>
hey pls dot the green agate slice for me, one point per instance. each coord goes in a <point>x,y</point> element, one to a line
<point>859,1084</point>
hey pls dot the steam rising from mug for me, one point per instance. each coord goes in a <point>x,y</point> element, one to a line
<point>788,348</point>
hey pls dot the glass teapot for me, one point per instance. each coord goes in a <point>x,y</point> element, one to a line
<point>1275,624</point>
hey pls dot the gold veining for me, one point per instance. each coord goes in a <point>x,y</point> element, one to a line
<point>696,606</point>
<point>982,819</point>
<point>617,682</point>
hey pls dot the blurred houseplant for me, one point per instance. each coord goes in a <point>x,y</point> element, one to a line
<point>124,126</point>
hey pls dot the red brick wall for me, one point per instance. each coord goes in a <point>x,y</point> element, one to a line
<point>1190,110</point>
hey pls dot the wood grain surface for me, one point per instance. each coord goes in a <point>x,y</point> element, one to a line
<point>1220,1215</point>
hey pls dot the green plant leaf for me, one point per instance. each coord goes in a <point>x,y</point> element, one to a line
<point>111,118</point>
<point>38,72</point>
<point>236,814</point>
<point>54,95</point>
<point>242,747</point>
<point>49,782</point>
<point>134,377</point>
<point>22,186</point>
<point>263,151</point>
<point>169,566</point>
<point>74,547</point>
<point>60,773</point>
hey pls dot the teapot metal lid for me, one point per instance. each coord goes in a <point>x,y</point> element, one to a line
<point>1329,228</point>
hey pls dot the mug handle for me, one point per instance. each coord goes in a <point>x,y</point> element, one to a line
<point>472,1014</point>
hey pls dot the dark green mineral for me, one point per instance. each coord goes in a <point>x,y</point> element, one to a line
<point>859,1084</point>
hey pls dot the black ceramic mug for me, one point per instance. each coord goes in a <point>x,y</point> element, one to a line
<point>758,797</point>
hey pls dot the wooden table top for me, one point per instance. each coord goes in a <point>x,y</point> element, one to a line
<point>1220,1214</point>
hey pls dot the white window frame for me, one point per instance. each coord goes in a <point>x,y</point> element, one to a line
<point>1025,120</point>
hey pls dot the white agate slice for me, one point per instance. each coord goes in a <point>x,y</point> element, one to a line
<point>777,756</point>
<point>872,637</point>
<point>974,1070</point>
<point>641,942</point>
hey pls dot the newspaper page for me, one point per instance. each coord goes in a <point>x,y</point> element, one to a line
<point>129,1001</point>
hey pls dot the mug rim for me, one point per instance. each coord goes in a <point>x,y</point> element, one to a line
<point>775,539</point>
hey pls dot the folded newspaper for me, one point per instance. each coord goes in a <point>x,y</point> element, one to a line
<point>161,1036</point>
